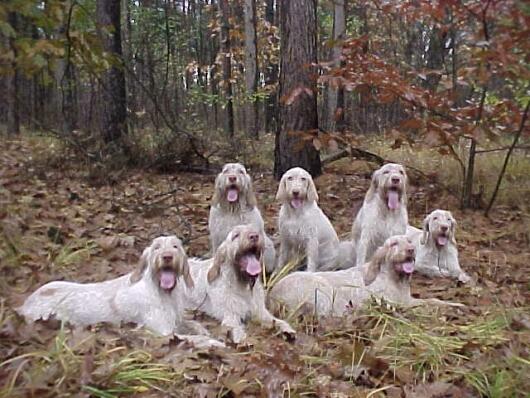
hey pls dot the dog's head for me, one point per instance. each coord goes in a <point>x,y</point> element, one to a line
<point>233,186</point>
<point>167,261</point>
<point>296,188</point>
<point>243,250</point>
<point>390,182</point>
<point>439,226</point>
<point>397,254</point>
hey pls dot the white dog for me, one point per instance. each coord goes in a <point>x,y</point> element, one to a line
<point>151,296</point>
<point>305,231</point>
<point>386,276</point>
<point>383,213</point>
<point>234,203</point>
<point>437,253</point>
<point>228,287</point>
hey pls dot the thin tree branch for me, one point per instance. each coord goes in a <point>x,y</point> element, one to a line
<point>507,159</point>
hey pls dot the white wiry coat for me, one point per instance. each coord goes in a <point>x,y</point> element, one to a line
<point>225,215</point>
<point>135,297</point>
<point>305,231</point>
<point>433,259</point>
<point>375,221</point>
<point>220,292</point>
<point>338,292</point>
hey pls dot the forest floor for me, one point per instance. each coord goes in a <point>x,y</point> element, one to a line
<point>55,223</point>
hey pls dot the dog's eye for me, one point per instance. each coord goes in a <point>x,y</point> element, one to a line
<point>241,172</point>
<point>401,172</point>
<point>289,178</point>
<point>393,244</point>
<point>156,247</point>
<point>175,246</point>
<point>235,236</point>
<point>304,179</point>
<point>386,172</point>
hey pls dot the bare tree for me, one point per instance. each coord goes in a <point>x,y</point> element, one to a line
<point>336,94</point>
<point>12,83</point>
<point>298,91</point>
<point>113,97</point>
<point>251,69</point>
<point>226,62</point>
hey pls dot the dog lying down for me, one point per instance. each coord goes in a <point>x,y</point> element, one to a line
<point>152,296</point>
<point>228,287</point>
<point>437,252</point>
<point>386,276</point>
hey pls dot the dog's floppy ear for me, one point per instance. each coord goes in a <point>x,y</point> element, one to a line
<point>185,272</point>
<point>281,194</point>
<point>374,184</point>
<point>219,259</point>
<point>312,194</point>
<point>250,197</point>
<point>425,235</point>
<point>142,265</point>
<point>373,267</point>
<point>453,229</point>
<point>217,190</point>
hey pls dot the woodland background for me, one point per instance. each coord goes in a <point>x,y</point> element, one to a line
<point>116,114</point>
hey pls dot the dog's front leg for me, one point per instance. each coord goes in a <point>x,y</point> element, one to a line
<point>312,254</point>
<point>362,248</point>
<point>284,254</point>
<point>236,328</point>
<point>262,314</point>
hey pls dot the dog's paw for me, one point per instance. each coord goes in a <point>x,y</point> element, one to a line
<point>287,330</point>
<point>238,335</point>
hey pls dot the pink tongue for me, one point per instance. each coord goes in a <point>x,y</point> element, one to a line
<point>251,264</point>
<point>167,280</point>
<point>232,195</point>
<point>296,203</point>
<point>408,267</point>
<point>442,240</point>
<point>393,200</point>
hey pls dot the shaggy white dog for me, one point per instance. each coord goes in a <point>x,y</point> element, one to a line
<point>228,287</point>
<point>234,203</point>
<point>383,213</point>
<point>437,253</point>
<point>387,275</point>
<point>151,296</point>
<point>305,231</point>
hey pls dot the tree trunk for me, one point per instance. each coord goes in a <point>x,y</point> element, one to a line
<point>336,94</point>
<point>12,85</point>
<point>298,91</point>
<point>271,78</point>
<point>113,111</point>
<point>226,62</point>
<point>251,69</point>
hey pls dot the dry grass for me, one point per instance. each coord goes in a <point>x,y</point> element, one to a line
<point>514,189</point>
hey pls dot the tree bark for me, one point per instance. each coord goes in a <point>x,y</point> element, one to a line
<point>271,78</point>
<point>226,62</point>
<point>336,94</point>
<point>298,91</point>
<point>251,69</point>
<point>12,84</point>
<point>113,112</point>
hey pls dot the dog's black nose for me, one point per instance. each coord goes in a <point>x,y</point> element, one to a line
<point>167,258</point>
<point>395,180</point>
<point>232,178</point>
<point>253,237</point>
<point>444,228</point>
<point>410,251</point>
<point>296,193</point>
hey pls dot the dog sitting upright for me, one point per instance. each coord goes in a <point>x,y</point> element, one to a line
<point>234,203</point>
